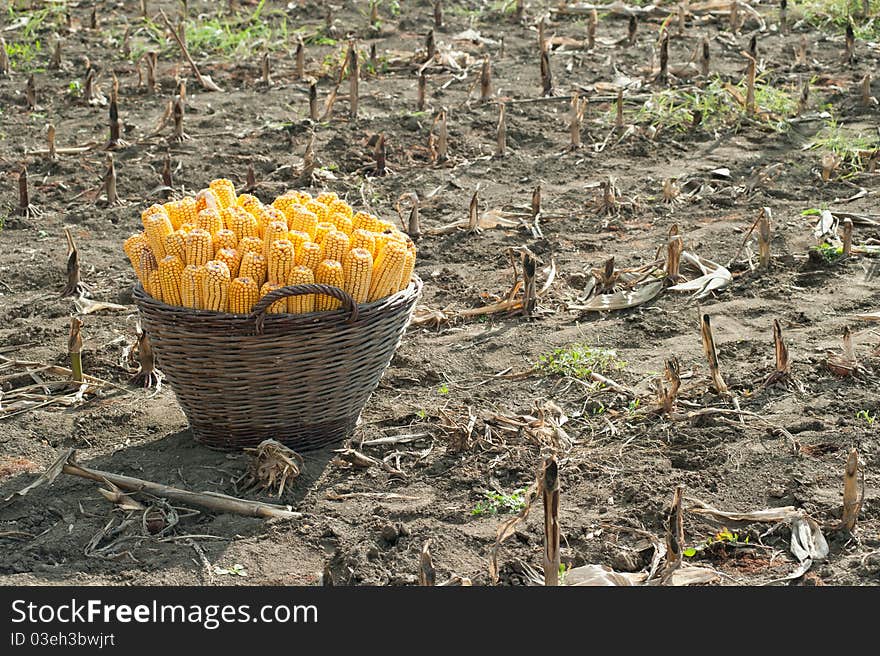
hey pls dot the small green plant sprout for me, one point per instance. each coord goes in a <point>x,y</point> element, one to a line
<point>237,569</point>
<point>722,537</point>
<point>496,502</point>
<point>828,252</point>
<point>74,89</point>
<point>443,390</point>
<point>580,361</point>
<point>563,570</point>
<point>867,417</point>
<point>633,406</point>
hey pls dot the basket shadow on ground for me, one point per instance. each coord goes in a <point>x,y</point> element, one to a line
<point>48,532</point>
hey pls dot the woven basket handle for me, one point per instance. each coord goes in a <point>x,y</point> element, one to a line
<point>259,312</point>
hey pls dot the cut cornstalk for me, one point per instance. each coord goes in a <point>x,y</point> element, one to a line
<point>668,386</point>
<point>542,39</point>
<point>115,128</point>
<point>850,50</point>
<point>420,99</point>
<point>501,133</point>
<point>300,58</point>
<point>74,349</point>
<point>865,91</point>
<point>74,285</point>
<point>151,59</point>
<point>783,16</point>
<point>674,247</point>
<point>427,574</point>
<point>780,350</point>
<point>712,356</point>
<point>166,171</point>
<point>764,238</point>
<point>442,138</point>
<point>536,202</point>
<point>110,181</point>
<point>550,490</point>
<point>632,30</point>
<point>852,500</point>
<point>93,19</point>
<point>430,46</point>
<point>618,118</point>
<point>592,21</point>
<point>753,46</point>
<point>126,44</point>
<point>664,58</point>
<point>682,16</point>
<point>25,208</point>
<point>751,108</point>
<point>30,92</point>
<point>704,57</point>
<point>250,178</point>
<point>804,98</point>
<point>438,14</point>
<point>374,59</point>
<point>734,17</point>
<point>530,282</point>
<point>313,99</point>
<point>50,137</point>
<point>375,21</point>
<point>576,120</point>
<point>847,237</point>
<point>265,69</point>
<point>414,229</point>
<point>4,59</point>
<point>353,79</point>
<point>177,113</point>
<point>546,76</point>
<point>674,536</point>
<point>473,212</point>
<point>379,153</point>
<point>55,62</point>
<point>486,80</point>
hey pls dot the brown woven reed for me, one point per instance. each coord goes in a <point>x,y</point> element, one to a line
<point>301,379</point>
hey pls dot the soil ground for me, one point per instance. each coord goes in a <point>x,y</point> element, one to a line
<point>624,461</point>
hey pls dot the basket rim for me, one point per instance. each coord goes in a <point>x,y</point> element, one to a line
<point>324,316</point>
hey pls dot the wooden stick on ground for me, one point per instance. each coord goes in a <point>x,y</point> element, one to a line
<point>551,521</point>
<point>204,80</point>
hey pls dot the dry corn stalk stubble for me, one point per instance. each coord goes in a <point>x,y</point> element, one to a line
<point>712,356</point>
<point>550,493</point>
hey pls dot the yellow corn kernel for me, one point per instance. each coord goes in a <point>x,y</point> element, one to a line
<point>249,244</point>
<point>382,238</point>
<point>253,265</point>
<point>274,231</point>
<point>241,222</point>
<point>279,306</point>
<point>155,209</point>
<point>182,211</point>
<point>156,226</point>
<point>206,199</point>
<point>342,223</point>
<point>358,271</point>
<point>334,246</point>
<point>269,215</point>
<point>243,293</point>
<point>175,244</point>
<point>309,255</point>
<point>209,219</point>
<point>155,286</point>
<point>387,270</point>
<point>317,208</point>
<point>408,266</point>
<point>231,258</point>
<point>301,304</point>
<point>186,228</point>
<point>303,220</point>
<point>329,272</point>
<point>280,261</point>
<point>365,239</point>
<point>190,287</point>
<point>224,190</point>
<point>224,239</point>
<point>199,246</point>
<point>327,197</point>
<point>132,247</point>
<point>170,276</point>
<point>297,238</point>
<point>339,206</point>
<point>364,221</point>
<point>322,231</point>
<point>215,281</point>
<point>249,203</point>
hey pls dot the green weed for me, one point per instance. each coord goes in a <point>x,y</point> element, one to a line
<point>835,14</point>
<point>500,503</point>
<point>851,147</point>
<point>580,360</point>
<point>866,416</point>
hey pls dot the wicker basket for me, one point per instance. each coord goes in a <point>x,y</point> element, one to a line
<point>301,379</point>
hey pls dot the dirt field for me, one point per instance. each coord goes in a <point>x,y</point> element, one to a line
<point>458,386</point>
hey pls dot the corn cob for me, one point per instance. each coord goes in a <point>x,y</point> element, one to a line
<point>182,211</point>
<point>301,304</point>
<point>334,246</point>
<point>342,223</point>
<point>155,286</point>
<point>339,206</point>
<point>156,226</point>
<point>364,221</point>
<point>317,208</point>
<point>175,244</point>
<point>199,246</point>
<point>249,203</point>
<point>365,239</point>
<point>322,231</point>
<point>253,265</point>
<point>209,219</point>
<point>224,239</point>
<point>297,238</point>
<point>243,293</point>
<point>408,266</point>
<point>132,247</point>
<point>382,238</point>
<point>231,258</point>
<point>216,286</point>
<point>387,270</point>
<point>279,306</point>
<point>275,230</point>
<point>286,202</point>
<point>250,244</point>
<point>190,287</point>
<point>386,226</point>
<point>147,265</point>
<point>186,228</point>
<point>155,209</point>
<point>358,271</point>
<point>206,200</point>
<point>224,190</point>
<point>269,215</point>
<point>241,222</point>
<point>327,197</point>
<point>303,220</point>
<point>170,276</point>
<point>329,272</point>
<point>309,255</point>
<point>280,261</point>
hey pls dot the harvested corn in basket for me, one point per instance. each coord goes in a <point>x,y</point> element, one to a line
<point>271,322</point>
<point>223,252</point>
